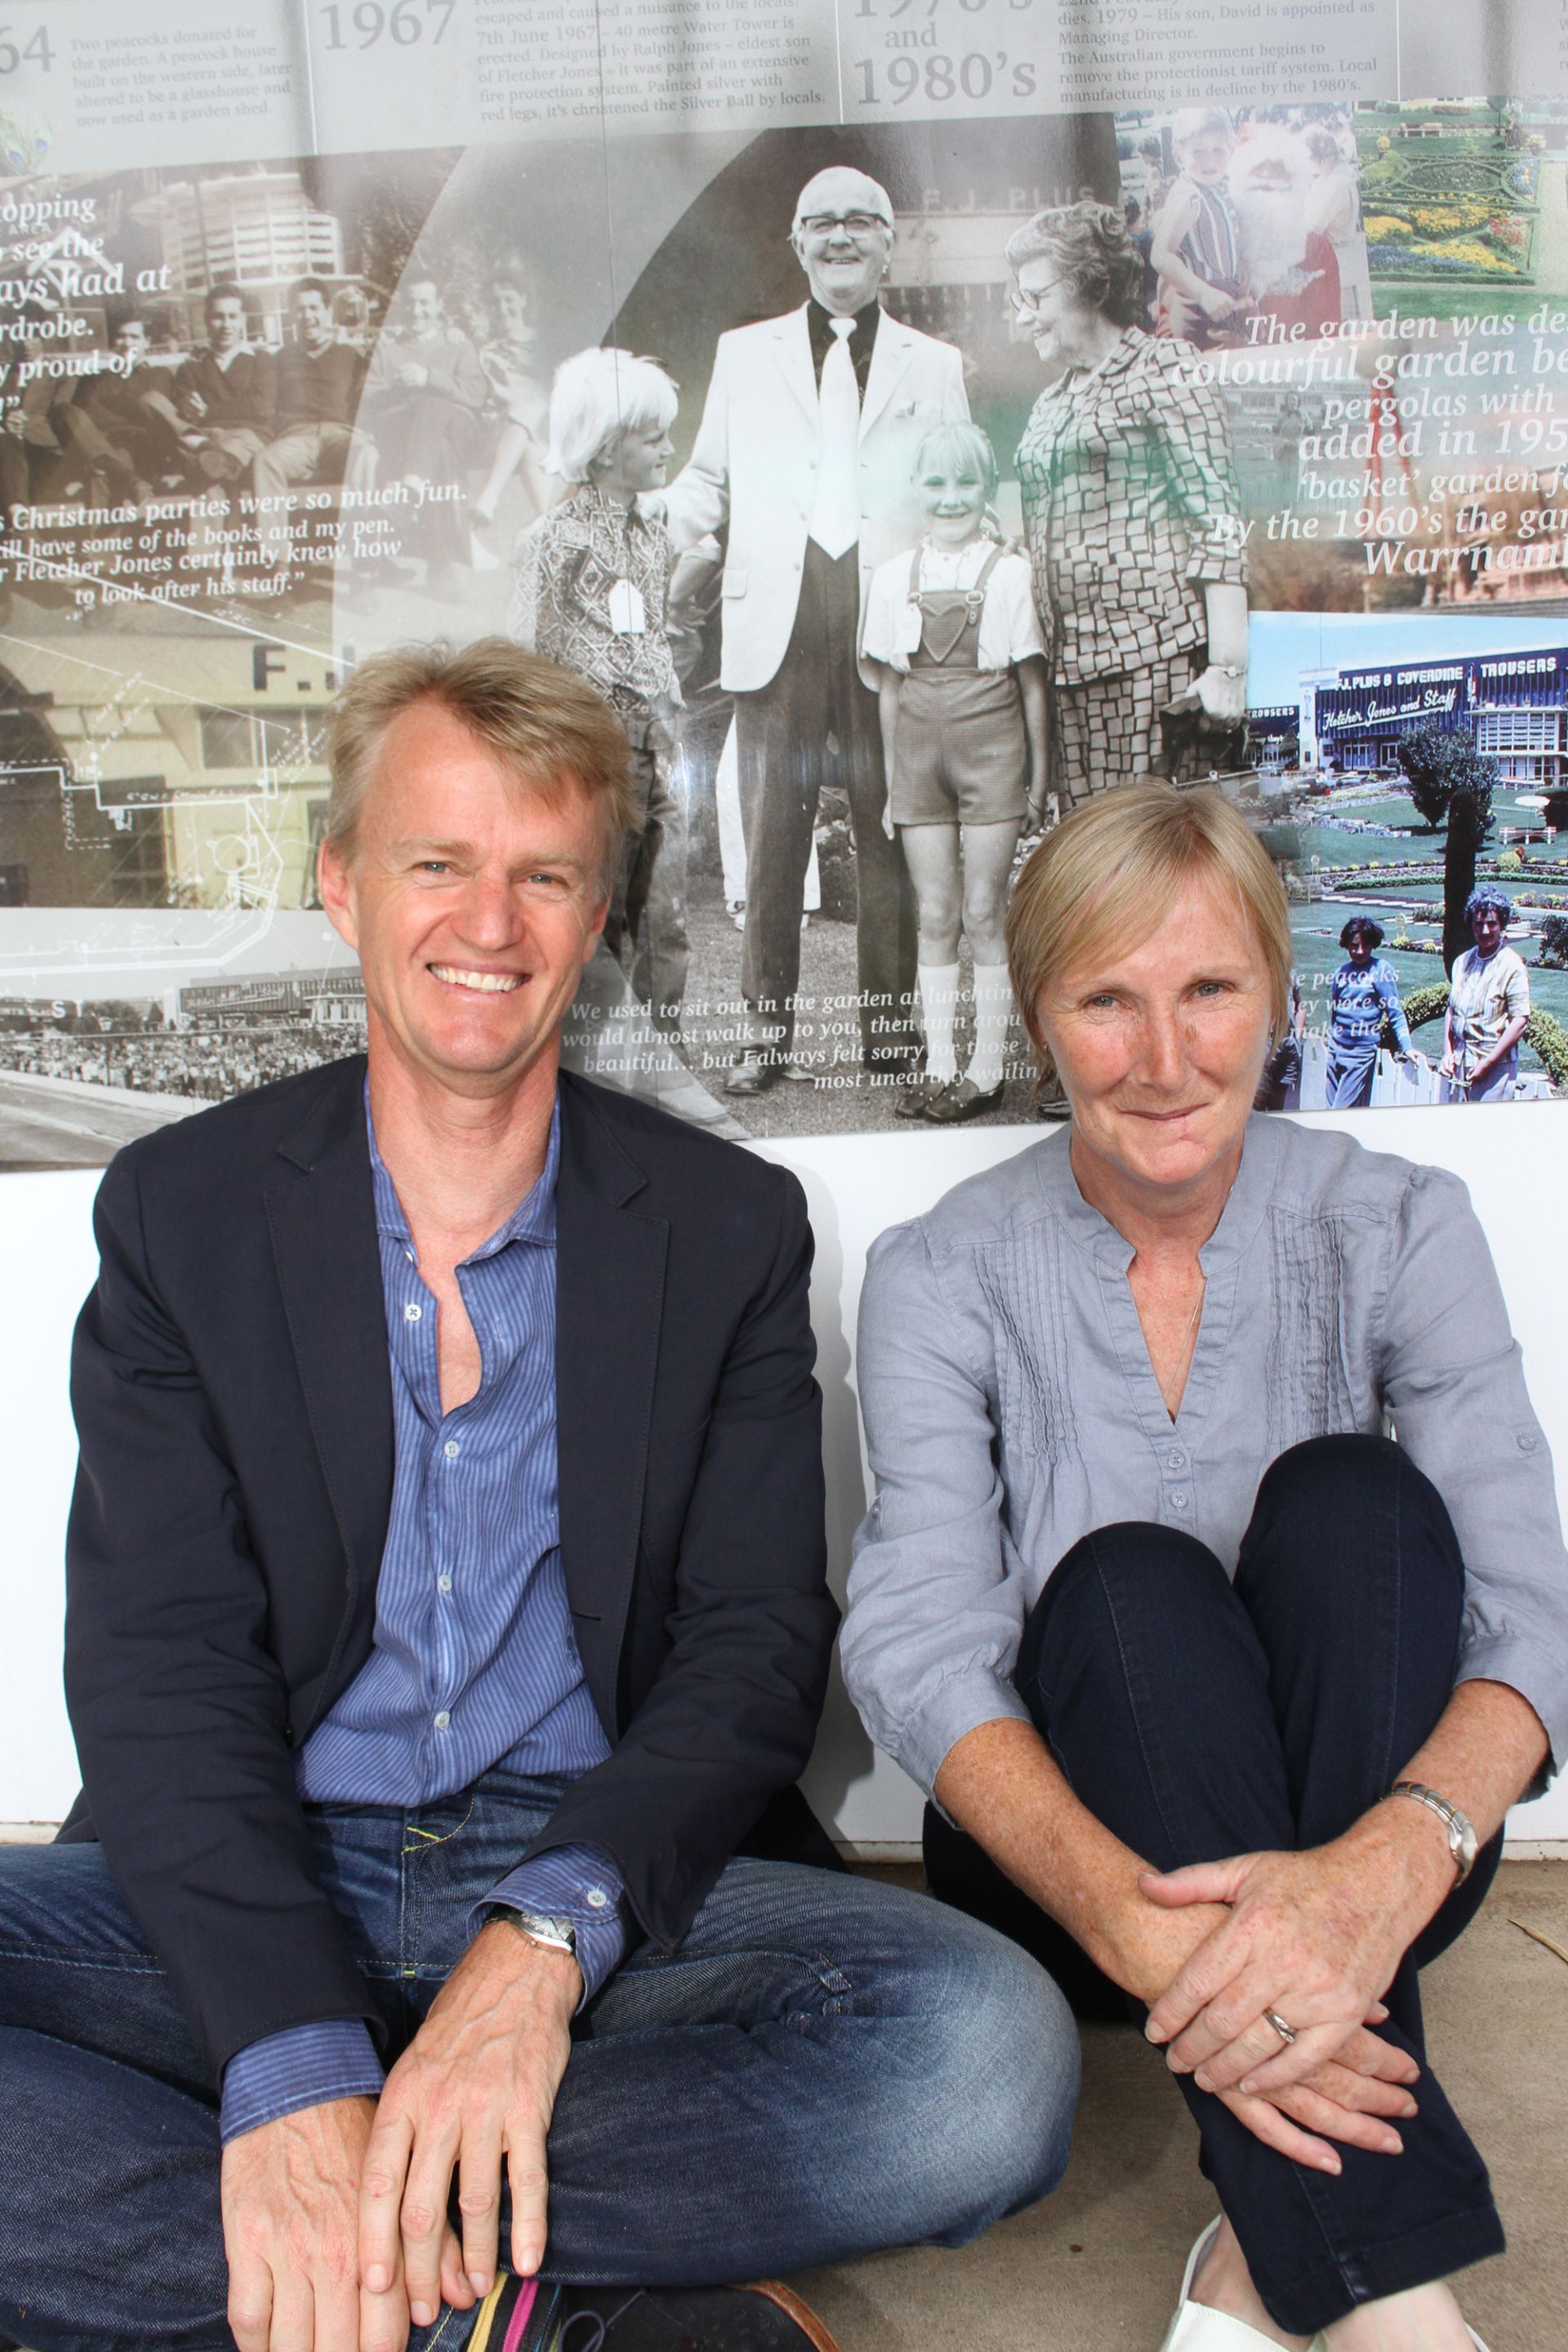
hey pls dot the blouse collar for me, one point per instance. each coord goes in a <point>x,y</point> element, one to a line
<point>1239,1219</point>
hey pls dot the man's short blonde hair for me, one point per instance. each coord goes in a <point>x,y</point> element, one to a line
<point>1109,874</point>
<point>548,728</point>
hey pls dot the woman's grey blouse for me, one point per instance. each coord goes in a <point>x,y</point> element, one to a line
<point>1010,1408</point>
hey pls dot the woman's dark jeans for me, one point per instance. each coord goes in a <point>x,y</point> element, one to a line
<point>1199,1719</point>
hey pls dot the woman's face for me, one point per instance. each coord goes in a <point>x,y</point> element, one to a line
<point>1160,1049</point>
<point>1358,947</point>
<point>1050,306</point>
<point>1486,923</point>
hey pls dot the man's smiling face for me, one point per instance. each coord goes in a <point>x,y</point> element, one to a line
<point>473,904</point>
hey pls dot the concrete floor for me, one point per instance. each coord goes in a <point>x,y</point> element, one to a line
<point>1095,2267</point>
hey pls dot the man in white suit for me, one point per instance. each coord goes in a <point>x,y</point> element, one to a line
<point>806,452</point>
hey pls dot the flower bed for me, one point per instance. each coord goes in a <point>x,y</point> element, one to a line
<point>1459,208</point>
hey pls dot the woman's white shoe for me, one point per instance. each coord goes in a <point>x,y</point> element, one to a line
<point>1198,2327</point>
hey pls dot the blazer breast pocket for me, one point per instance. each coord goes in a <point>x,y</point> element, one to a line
<point>734,580</point>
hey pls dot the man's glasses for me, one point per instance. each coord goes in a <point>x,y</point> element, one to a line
<point>857,223</point>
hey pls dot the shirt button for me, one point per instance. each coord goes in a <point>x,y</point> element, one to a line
<point>1177,1461</point>
<point>443,1719</point>
<point>451,1449</point>
<point>597,1898</point>
<point>443,1584</point>
<point>1180,1501</point>
<point>411,1313</point>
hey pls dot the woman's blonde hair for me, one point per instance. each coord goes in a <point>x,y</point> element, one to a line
<point>1109,875</point>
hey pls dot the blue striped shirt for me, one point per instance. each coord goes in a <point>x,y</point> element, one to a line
<point>473,1661</point>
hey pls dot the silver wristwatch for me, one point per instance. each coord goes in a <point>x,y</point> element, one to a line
<point>1228,669</point>
<point>540,1927</point>
<point>1462,1840</point>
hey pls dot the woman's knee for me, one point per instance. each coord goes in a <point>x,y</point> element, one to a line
<point>1135,1570</point>
<point>1339,1511</point>
<point>1346,1469</point>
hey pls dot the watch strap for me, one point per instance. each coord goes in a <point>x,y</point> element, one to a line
<point>1462,1841</point>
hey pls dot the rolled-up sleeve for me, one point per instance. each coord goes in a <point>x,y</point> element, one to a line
<point>936,1601</point>
<point>1453,1379</point>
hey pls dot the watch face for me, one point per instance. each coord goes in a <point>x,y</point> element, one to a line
<point>552,1931</point>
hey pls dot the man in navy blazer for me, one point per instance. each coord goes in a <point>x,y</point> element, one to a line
<point>446,1628</point>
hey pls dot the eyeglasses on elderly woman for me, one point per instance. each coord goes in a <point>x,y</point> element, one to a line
<point>1026,300</point>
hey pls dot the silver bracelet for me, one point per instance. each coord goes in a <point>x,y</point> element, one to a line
<point>1462,1839</point>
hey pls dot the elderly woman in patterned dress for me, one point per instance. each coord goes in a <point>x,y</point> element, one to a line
<point>1131,508</point>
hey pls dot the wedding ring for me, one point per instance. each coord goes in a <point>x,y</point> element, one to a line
<point>1286,2033</point>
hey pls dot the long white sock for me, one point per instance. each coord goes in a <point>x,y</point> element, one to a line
<point>993,1011</point>
<point>939,1004</point>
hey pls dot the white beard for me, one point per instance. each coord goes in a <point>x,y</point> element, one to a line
<point>1273,241</point>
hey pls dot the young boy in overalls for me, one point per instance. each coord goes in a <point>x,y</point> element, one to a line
<point>961,667</point>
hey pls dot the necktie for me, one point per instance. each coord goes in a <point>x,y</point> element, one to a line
<point>836,510</point>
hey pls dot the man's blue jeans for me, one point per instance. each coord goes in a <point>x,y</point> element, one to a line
<point>824,2067</point>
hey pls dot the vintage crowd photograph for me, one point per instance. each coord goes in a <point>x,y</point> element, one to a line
<point>900,488</point>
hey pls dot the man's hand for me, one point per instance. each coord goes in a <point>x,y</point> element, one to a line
<point>290,2227</point>
<point>474,2091</point>
<point>1315,1936</point>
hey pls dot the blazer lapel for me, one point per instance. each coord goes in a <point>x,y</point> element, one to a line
<point>890,356</point>
<point>322,1213</point>
<point>791,349</point>
<point>609,1301</point>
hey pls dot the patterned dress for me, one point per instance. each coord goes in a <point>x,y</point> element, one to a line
<point>1131,509</point>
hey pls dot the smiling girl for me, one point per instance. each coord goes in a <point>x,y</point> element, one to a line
<point>961,667</point>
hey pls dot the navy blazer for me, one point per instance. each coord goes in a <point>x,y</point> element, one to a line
<point>233,1400</point>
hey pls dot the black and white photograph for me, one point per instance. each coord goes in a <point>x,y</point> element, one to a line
<point>900,487</point>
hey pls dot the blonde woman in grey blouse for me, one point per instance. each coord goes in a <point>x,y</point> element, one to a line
<point>1199,1666</point>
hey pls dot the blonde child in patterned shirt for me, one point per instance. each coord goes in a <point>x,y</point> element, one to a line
<point>593,593</point>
